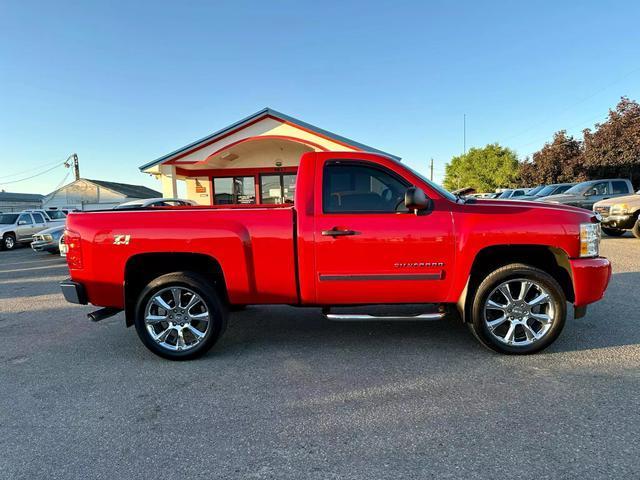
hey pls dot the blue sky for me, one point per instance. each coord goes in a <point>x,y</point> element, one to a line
<point>122,83</point>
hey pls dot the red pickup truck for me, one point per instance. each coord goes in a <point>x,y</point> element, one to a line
<point>365,230</point>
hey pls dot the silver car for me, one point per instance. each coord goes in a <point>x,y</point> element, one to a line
<point>19,228</point>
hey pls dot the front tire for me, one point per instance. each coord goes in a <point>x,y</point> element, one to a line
<point>9,241</point>
<point>518,309</point>
<point>613,232</point>
<point>636,228</point>
<point>179,316</point>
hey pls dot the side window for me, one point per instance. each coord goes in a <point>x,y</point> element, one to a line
<point>234,190</point>
<point>25,217</point>
<point>357,187</point>
<point>38,217</point>
<point>601,188</point>
<point>562,189</point>
<point>619,187</point>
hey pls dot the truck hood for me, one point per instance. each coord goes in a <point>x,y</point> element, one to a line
<point>562,198</point>
<point>545,208</point>
<point>633,200</point>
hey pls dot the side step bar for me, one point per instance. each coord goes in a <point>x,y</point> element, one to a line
<point>359,317</point>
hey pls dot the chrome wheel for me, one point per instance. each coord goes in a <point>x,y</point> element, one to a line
<point>9,242</point>
<point>519,312</point>
<point>177,318</point>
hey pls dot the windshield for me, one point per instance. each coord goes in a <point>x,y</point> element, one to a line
<point>8,218</point>
<point>535,191</point>
<point>56,214</point>
<point>505,194</point>
<point>546,190</point>
<point>579,188</point>
<point>445,193</point>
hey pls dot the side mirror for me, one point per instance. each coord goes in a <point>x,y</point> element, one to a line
<point>591,191</point>
<point>416,200</point>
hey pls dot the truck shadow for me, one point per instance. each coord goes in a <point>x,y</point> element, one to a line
<point>609,323</point>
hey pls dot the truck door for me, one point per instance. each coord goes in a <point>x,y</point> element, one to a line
<point>369,248</point>
<point>24,227</point>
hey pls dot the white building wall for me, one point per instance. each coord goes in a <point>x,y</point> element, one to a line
<point>83,195</point>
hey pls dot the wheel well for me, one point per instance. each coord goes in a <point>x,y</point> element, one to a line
<point>143,268</point>
<point>8,233</point>
<point>552,260</point>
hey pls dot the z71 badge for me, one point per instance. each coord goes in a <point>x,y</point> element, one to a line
<point>121,239</point>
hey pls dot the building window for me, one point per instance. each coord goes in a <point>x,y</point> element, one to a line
<point>234,190</point>
<point>278,188</point>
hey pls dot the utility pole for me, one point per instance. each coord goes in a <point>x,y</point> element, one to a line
<point>464,133</point>
<point>432,169</point>
<point>76,166</point>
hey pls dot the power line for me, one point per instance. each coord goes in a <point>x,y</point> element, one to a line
<point>34,176</point>
<point>32,169</point>
<point>565,110</point>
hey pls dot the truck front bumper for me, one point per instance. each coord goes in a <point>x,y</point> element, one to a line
<point>624,222</point>
<point>590,279</point>
<point>74,292</point>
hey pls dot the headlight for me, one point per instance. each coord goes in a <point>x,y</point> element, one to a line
<point>589,239</point>
<point>47,237</point>
<point>619,209</point>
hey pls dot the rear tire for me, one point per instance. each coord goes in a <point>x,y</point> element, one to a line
<point>184,329</point>
<point>9,241</point>
<point>527,324</point>
<point>613,232</point>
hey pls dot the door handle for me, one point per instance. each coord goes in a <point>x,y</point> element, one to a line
<point>339,232</point>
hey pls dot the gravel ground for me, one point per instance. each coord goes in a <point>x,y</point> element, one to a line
<point>287,394</point>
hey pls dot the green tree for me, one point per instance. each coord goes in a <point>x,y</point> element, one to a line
<point>484,169</point>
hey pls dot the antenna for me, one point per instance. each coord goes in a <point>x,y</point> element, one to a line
<point>464,133</point>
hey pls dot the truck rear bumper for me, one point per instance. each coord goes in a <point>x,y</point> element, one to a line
<point>590,279</point>
<point>74,292</point>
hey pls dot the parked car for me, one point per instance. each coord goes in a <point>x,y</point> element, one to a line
<point>513,193</point>
<point>48,240</point>
<point>364,229</point>
<point>539,193</point>
<point>155,202</point>
<point>51,215</point>
<point>585,194</point>
<point>620,214</point>
<point>18,228</point>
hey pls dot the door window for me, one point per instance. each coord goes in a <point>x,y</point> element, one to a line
<point>358,187</point>
<point>619,187</point>
<point>25,217</point>
<point>38,217</point>
<point>277,188</point>
<point>234,190</point>
<point>601,188</point>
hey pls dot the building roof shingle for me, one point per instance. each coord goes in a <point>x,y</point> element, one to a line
<point>128,190</point>
<point>20,197</point>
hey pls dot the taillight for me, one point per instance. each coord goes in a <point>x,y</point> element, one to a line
<point>74,249</point>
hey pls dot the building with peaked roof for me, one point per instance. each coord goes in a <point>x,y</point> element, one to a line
<point>87,194</point>
<point>16,202</point>
<point>253,160</point>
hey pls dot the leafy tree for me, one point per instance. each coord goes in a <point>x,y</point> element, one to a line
<point>484,169</point>
<point>557,162</point>
<point>613,149</point>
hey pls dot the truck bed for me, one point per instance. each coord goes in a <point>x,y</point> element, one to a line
<point>254,247</point>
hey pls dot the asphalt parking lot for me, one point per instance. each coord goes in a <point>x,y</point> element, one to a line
<point>288,394</point>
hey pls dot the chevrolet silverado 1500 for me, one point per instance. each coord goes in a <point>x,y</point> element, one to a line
<point>364,230</point>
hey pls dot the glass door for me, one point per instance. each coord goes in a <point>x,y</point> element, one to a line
<point>277,188</point>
